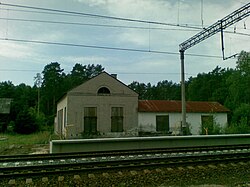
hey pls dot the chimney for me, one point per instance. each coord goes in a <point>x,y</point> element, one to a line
<point>114,75</point>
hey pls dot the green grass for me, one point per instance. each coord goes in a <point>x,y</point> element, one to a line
<point>19,139</point>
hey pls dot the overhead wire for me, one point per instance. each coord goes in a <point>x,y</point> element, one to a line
<point>98,16</point>
<point>187,26</point>
<point>107,25</point>
<point>91,24</point>
<point>105,47</point>
<point>124,73</point>
<point>66,12</point>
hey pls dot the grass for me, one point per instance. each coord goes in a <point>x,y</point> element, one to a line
<point>7,140</point>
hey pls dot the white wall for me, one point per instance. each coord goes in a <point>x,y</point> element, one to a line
<point>147,121</point>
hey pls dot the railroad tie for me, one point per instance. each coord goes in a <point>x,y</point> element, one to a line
<point>91,176</point>
<point>212,166</point>
<point>12,182</point>
<point>170,169</point>
<point>201,167</point>
<point>233,164</point>
<point>190,167</point>
<point>60,178</point>
<point>223,165</point>
<point>133,172</point>
<point>45,180</point>
<point>146,171</point>
<point>105,175</point>
<point>77,177</point>
<point>29,181</point>
<point>181,168</point>
<point>242,163</point>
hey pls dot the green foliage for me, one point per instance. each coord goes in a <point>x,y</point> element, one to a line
<point>238,128</point>
<point>86,135</point>
<point>210,127</point>
<point>164,90</point>
<point>21,139</point>
<point>25,123</point>
<point>242,113</point>
<point>209,87</point>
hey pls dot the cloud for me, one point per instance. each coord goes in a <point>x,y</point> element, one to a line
<point>84,59</point>
<point>166,11</point>
<point>15,50</point>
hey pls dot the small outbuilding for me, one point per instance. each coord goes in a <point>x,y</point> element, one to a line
<point>5,104</point>
<point>160,116</point>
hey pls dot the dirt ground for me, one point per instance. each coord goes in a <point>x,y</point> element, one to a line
<point>25,149</point>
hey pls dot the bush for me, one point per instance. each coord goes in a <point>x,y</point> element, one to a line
<point>25,123</point>
<point>238,128</point>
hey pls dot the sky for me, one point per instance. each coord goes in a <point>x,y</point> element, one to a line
<point>137,36</point>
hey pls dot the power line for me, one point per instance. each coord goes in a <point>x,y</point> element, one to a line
<point>107,25</point>
<point>105,47</point>
<point>98,16</point>
<point>121,73</point>
<point>73,13</point>
<point>91,24</point>
<point>22,70</point>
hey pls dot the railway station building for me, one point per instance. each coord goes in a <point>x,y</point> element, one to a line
<point>104,106</point>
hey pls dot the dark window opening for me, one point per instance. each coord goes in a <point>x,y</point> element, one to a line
<point>60,121</point>
<point>116,119</point>
<point>103,91</point>
<point>90,120</point>
<point>162,123</point>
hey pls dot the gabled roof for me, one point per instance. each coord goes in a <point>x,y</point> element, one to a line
<point>104,80</point>
<point>175,106</point>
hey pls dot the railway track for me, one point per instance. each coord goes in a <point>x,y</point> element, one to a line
<point>41,165</point>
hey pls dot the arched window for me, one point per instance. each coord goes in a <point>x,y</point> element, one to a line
<point>103,91</point>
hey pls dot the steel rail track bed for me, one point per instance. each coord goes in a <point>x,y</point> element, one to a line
<point>121,161</point>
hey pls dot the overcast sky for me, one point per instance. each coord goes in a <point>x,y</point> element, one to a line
<point>20,61</point>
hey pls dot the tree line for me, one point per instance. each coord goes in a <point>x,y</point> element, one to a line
<point>34,107</point>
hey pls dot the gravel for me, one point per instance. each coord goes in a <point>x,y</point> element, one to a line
<point>222,175</point>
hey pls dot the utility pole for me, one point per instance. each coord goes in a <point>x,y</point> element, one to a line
<point>183,98</point>
<point>225,22</point>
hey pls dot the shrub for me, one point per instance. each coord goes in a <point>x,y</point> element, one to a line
<point>25,123</point>
<point>238,128</point>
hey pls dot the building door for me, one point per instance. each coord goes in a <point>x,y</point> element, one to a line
<point>162,123</point>
<point>90,120</point>
<point>207,124</point>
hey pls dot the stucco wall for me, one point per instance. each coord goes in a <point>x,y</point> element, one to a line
<point>147,121</point>
<point>86,95</point>
<point>103,104</point>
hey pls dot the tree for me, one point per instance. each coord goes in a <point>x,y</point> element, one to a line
<point>139,88</point>
<point>238,82</point>
<point>7,89</point>
<point>210,86</point>
<point>25,123</point>
<point>167,90</point>
<point>79,74</point>
<point>37,84</point>
<point>52,86</point>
